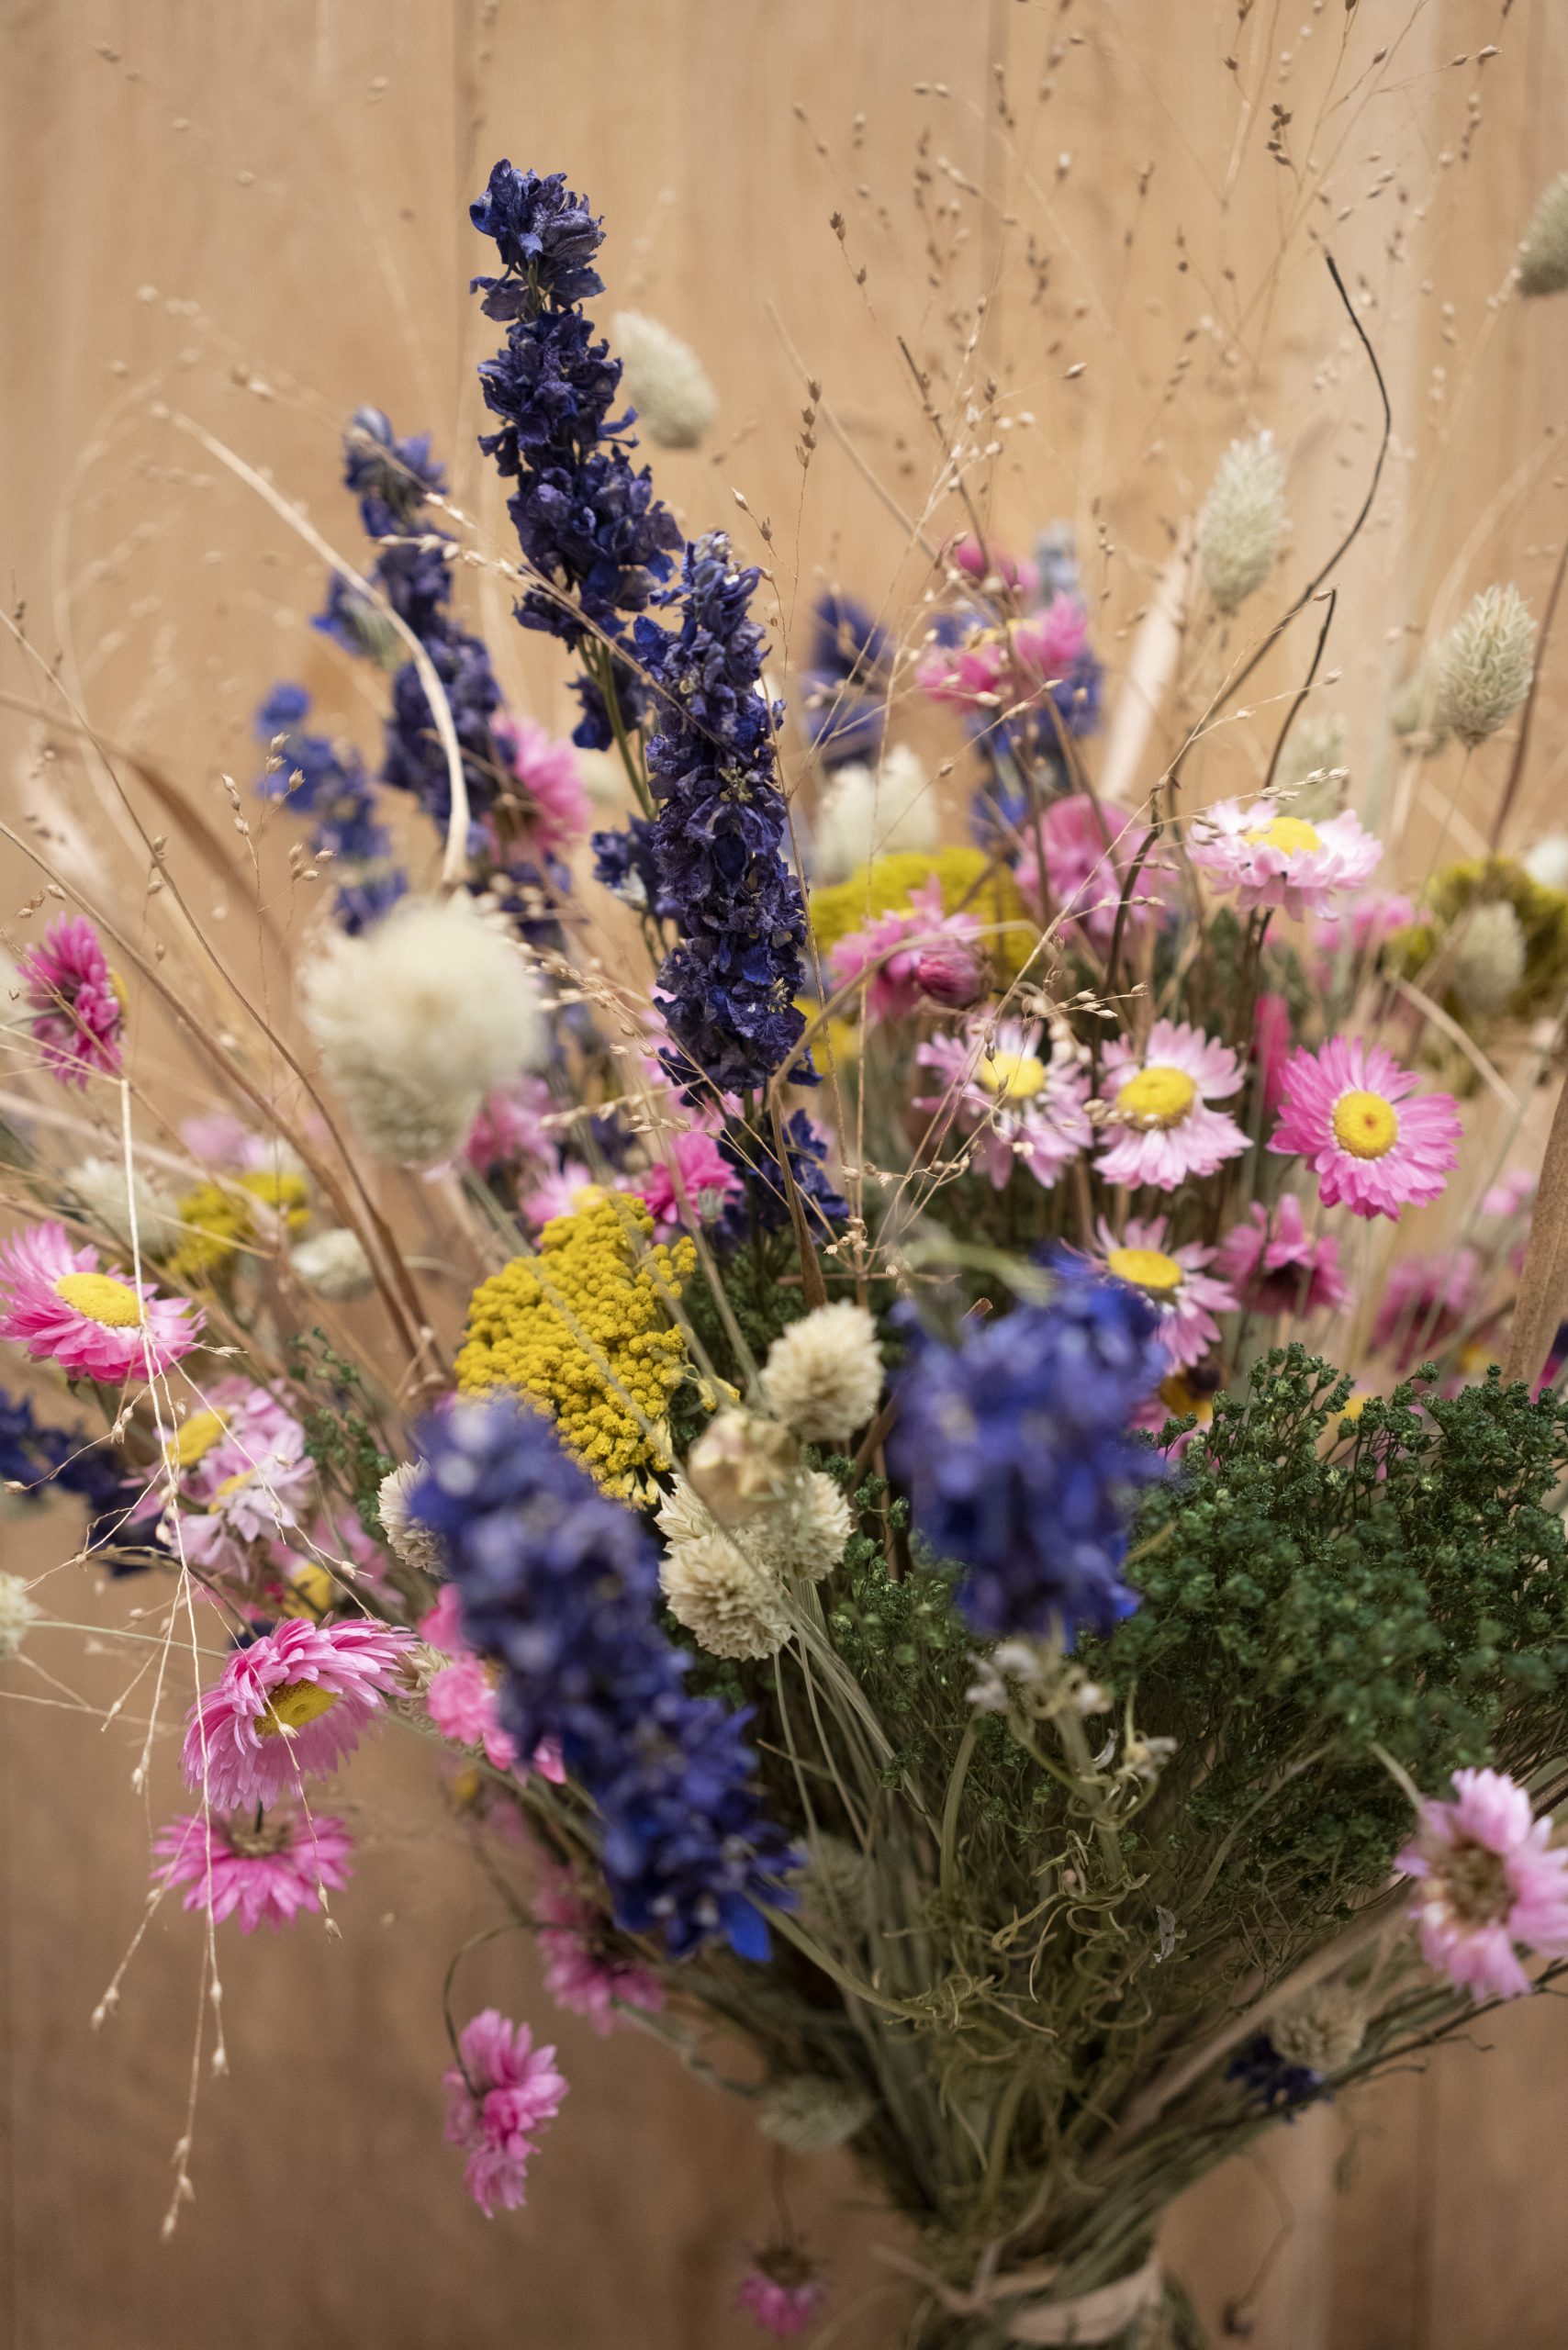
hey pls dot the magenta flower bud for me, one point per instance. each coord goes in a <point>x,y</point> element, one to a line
<point>952,972</point>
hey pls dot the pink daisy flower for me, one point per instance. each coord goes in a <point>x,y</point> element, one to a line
<point>915,955</point>
<point>1349,1111</point>
<point>1270,858</point>
<point>244,1475</point>
<point>78,1017</point>
<point>1162,1129</point>
<point>568,1188</point>
<point>1047,643</point>
<point>58,1303</point>
<point>1015,1102</point>
<point>1364,924</point>
<point>290,1705</point>
<point>1091,846</point>
<point>967,675</point>
<point>555,809</point>
<point>1175,1282</point>
<point>462,1700</point>
<point>782,2291</point>
<point>1425,1300</point>
<point>510,1128</point>
<point>1489,1879</point>
<point>263,1871</point>
<point>503,2092</point>
<point>1510,1195</point>
<point>582,1971</point>
<point>1273,1266</point>
<point>689,1178</point>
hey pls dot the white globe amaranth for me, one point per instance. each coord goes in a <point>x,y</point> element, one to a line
<point>823,1374</point>
<point>18,1613</point>
<point>1485,666</point>
<point>332,1264</point>
<point>665,381</point>
<point>100,1186</point>
<point>809,2114</point>
<point>418,1020</point>
<point>1488,953</point>
<point>413,1543</point>
<point>868,812</point>
<point>730,1602</point>
<point>1242,523</point>
<point>1542,265</point>
<point>803,1535</point>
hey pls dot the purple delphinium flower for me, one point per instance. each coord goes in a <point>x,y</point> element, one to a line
<point>325,780</point>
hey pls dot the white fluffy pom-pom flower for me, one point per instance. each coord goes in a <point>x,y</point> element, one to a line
<point>17,1615</point>
<point>1242,521</point>
<point>867,813</point>
<point>410,1542</point>
<point>100,1185</point>
<point>1485,666</point>
<point>665,381</point>
<point>1543,256</point>
<point>332,1264</point>
<point>418,1020</point>
<point>823,1375</point>
<point>731,1603</point>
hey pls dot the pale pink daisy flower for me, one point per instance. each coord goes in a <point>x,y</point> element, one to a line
<point>291,1705</point>
<point>1349,1111</point>
<point>1091,846</point>
<point>582,1971</point>
<point>563,1191</point>
<point>1162,1129</point>
<point>246,1479</point>
<point>264,1871</point>
<point>1017,1103</point>
<point>689,1181</point>
<point>913,956</point>
<point>1490,1878</point>
<point>1175,1282</point>
<point>1363,925</point>
<point>555,810</point>
<point>1275,1268</point>
<point>967,676</point>
<point>503,2091</point>
<point>58,1303</point>
<point>1269,857</point>
<point>782,2291</point>
<point>78,1017</point>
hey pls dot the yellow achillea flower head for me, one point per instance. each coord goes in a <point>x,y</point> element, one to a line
<point>217,1222</point>
<point>584,1330</point>
<point>848,906</point>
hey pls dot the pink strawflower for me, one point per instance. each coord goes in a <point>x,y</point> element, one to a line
<point>58,1303</point>
<point>1017,1103</point>
<point>1047,644</point>
<point>511,1130</point>
<point>289,1706</point>
<point>1425,1300</point>
<point>1349,1111</point>
<point>503,2092</point>
<point>1091,846</point>
<point>1490,1878</point>
<point>782,2291</point>
<point>967,675</point>
<point>688,1181</point>
<point>555,810</point>
<point>1365,923</point>
<point>464,1701</point>
<point>243,1474</point>
<point>1174,1280</point>
<point>78,1017</point>
<point>1270,1047</point>
<point>1275,1268</point>
<point>913,954</point>
<point>264,1872</point>
<point>1269,857</point>
<point>582,1971</point>
<point>1162,1130</point>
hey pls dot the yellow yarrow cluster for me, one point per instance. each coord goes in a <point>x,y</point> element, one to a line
<point>583,1328</point>
<point>219,1221</point>
<point>890,882</point>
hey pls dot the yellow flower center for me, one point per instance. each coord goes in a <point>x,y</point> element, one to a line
<point>1148,1269</point>
<point>1157,1097</point>
<point>311,1592</point>
<point>293,1706</point>
<point>232,1484</point>
<point>101,1298</point>
<point>1364,1124</point>
<point>1014,1077</point>
<point>1292,836</point>
<point>194,1438</point>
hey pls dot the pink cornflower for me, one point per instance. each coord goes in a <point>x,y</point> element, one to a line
<point>1364,924</point>
<point>1490,1878</point>
<point>1016,1103</point>
<point>582,1971</point>
<point>290,1705</point>
<point>1091,846</point>
<point>1270,858</point>
<point>263,1871</point>
<point>557,808</point>
<point>782,2291</point>
<point>503,2092</point>
<point>1349,1111</point>
<point>690,1178</point>
<point>511,1130</point>
<point>78,1017</point>
<point>1175,1282</point>
<point>1162,1129</point>
<point>1046,645</point>
<point>914,954</point>
<point>1275,1268</point>
<point>58,1303</point>
<point>967,676</point>
<point>1425,1300</point>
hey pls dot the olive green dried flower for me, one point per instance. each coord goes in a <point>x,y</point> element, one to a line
<point>1242,521</point>
<point>1485,666</point>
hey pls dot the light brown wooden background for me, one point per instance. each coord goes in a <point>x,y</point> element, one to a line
<point>252,212</point>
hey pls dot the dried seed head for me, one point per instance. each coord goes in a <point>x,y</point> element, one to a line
<point>1485,666</point>
<point>1543,256</point>
<point>1242,521</point>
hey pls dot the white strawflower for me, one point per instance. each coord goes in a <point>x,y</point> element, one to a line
<point>418,1020</point>
<point>732,1605</point>
<point>1547,862</point>
<point>1413,714</point>
<point>1323,2029</point>
<point>866,814</point>
<point>1488,956</point>
<point>17,1614</point>
<point>410,1542</point>
<point>824,1376</point>
<point>665,381</point>
<point>810,2115</point>
<point>1242,521</point>
<point>333,1264</point>
<point>739,1464</point>
<point>1543,256</point>
<point>805,1533</point>
<point>1484,665</point>
<point>99,1186</point>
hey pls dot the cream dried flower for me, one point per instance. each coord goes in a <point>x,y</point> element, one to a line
<point>739,1465</point>
<point>332,1264</point>
<point>805,1534</point>
<point>1413,714</point>
<point>1323,2029</point>
<point>1485,666</point>
<point>418,1020</point>
<point>1312,768</point>
<point>665,381</point>
<point>732,1605</point>
<point>823,1375</point>
<point>810,2115</point>
<point>867,813</point>
<point>1488,956</point>
<point>1543,256</point>
<point>1242,521</point>
<point>410,1542</point>
<point>17,1615</point>
<point>100,1186</point>
<point>683,1515</point>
